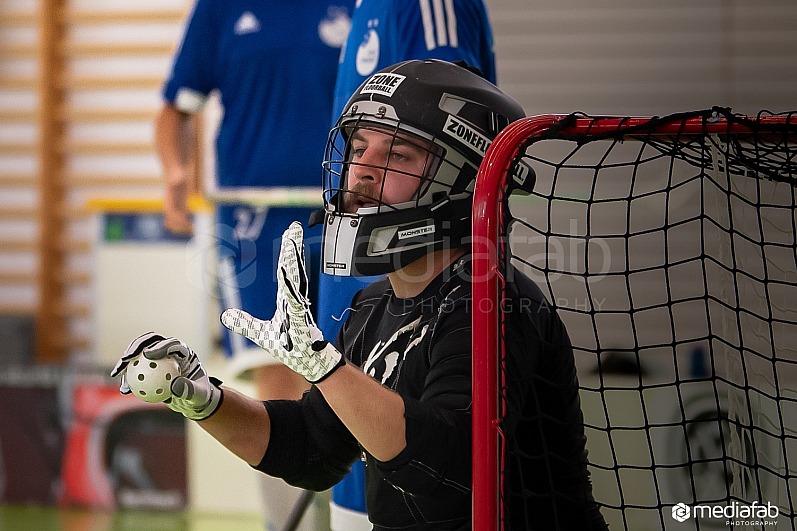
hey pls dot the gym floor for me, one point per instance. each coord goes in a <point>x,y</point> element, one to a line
<point>34,518</point>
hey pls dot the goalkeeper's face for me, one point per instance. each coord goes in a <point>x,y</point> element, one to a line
<point>385,167</point>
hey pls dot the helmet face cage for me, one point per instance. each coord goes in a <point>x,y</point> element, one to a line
<point>382,214</point>
<point>365,231</point>
<point>345,197</point>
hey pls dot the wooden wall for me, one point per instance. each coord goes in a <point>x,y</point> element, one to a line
<point>79,88</point>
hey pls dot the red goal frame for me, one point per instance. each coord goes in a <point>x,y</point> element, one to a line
<point>489,196</point>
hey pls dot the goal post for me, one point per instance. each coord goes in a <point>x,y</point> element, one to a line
<point>667,246</point>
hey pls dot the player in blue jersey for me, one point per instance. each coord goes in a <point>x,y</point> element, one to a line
<point>385,32</point>
<point>273,65</point>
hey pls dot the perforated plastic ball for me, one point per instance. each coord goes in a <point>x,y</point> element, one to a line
<point>150,379</point>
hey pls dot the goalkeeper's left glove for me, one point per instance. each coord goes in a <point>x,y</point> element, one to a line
<point>291,335</point>
<point>193,393</point>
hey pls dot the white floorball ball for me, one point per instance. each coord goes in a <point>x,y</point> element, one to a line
<point>149,380</point>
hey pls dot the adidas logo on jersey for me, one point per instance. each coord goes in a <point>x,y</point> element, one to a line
<point>248,23</point>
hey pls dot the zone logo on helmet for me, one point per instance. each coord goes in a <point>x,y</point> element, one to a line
<point>384,84</point>
<point>400,165</point>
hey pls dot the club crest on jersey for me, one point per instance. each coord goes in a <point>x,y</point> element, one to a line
<point>467,135</point>
<point>248,23</point>
<point>384,84</point>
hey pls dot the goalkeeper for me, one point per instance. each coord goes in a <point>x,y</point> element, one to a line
<point>395,387</point>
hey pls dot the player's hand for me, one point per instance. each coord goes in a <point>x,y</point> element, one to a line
<point>176,216</point>
<point>178,222</point>
<point>291,335</point>
<point>192,393</point>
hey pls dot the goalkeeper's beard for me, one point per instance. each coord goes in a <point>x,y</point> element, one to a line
<point>359,196</point>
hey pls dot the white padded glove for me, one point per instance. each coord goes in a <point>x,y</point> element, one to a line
<point>192,394</point>
<point>291,335</point>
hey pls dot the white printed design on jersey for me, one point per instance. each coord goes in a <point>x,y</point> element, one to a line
<point>368,52</point>
<point>334,29</point>
<point>249,222</point>
<point>189,100</point>
<point>380,362</point>
<point>439,23</point>
<point>247,23</point>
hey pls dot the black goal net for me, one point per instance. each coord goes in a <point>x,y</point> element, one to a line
<point>667,246</point>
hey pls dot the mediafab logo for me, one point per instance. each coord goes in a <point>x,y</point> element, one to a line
<point>681,512</point>
<point>736,513</point>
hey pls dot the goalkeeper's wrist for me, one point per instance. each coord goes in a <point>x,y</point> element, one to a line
<point>215,407</point>
<point>337,360</point>
<point>207,410</point>
<point>215,403</point>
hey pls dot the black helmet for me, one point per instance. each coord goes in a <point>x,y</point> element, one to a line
<point>452,115</point>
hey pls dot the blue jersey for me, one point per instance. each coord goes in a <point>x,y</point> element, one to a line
<point>274,65</point>
<point>387,32</point>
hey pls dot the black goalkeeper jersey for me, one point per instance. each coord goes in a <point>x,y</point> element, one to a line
<point>421,348</point>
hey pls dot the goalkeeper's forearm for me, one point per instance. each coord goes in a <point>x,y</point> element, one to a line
<point>241,424</point>
<point>373,413</point>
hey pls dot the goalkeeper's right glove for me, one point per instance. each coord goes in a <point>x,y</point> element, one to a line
<point>193,393</point>
<point>291,335</point>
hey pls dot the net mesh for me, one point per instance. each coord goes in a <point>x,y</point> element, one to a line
<point>668,248</point>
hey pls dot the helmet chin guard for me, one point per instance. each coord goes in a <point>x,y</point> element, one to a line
<point>375,244</point>
<point>444,115</point>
